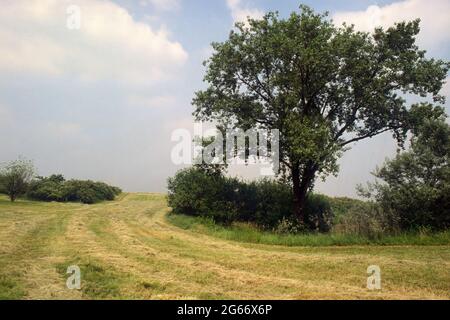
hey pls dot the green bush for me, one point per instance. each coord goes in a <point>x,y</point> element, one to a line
<point>55,188</point>
<point>273,202</point>
<point>266,203</point>
<point>369,220</point>
<point>318,212</point>
<point>288,226</point>
<point>2,185</point>
<point>341,205</point>
<point>46,189</point>
<point>199,193</point>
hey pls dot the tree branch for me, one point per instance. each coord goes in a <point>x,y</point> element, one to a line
<point>369,135</point>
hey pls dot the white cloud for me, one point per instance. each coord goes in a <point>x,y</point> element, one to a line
<point>446,92</point>
<point>206,52</point>
<point>159,101</point>
<point>434,15</point>
<point>6,118</point>
<point>240,12</point>
<point>163,5</point>
<point>66,128</point>
<point>109,45</point>
<point>446,88</point>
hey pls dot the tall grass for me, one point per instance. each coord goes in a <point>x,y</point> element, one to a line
<point>244,232</point>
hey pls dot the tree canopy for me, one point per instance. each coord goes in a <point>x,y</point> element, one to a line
<point>15,177</point>
<point>322,86</point>
<point>416,183</point>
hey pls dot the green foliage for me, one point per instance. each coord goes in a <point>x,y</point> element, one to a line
<point>197,192</point>
<point>251,234</point>
<point>2,185</point>
<point>46,189</point>
<point>55,188</point>
<point>318,212</point>
<point>288,226</point>
<point>15,177</point>
<point>368,220</point>
<point>416,183</point>
<point>271,202</point>
<point>341,205</point>
<point>322,86</point>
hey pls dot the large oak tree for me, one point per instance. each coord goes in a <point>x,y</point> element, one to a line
<point>323,87</point>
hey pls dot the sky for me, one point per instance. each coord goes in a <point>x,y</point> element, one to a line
<point>101,101</point>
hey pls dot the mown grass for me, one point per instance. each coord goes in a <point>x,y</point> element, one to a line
<point>126,249</point>
<point>10,287</point>
<point>244,232</point>
<point>99,282</point>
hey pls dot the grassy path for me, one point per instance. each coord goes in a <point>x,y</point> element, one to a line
<point>127,249</point>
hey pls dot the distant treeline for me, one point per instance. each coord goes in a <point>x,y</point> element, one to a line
<point>56,188</point>
<point>18,179</point>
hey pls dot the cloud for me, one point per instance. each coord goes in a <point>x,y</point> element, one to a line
<point>435,22</point>
<point>159,101</point>
<point>6,118</point>
<point>239,12</point>
<point>162,5</point>
<point>446,88</point>
<point>446,92</point>
<point>110,44</point>
<point>64,129</point>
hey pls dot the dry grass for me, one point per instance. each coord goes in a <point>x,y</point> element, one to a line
<point>127,249</point>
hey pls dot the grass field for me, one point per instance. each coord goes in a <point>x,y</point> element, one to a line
<point>127,249</point>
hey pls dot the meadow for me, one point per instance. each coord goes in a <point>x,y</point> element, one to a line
<point>132,248</point>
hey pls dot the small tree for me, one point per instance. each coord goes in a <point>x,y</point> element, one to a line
<point>323,87</point>
<point>416,183</point>
<point>15,177</point>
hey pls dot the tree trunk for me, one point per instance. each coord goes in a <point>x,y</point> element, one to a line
<point>298,197</point>
<point>301,184</point>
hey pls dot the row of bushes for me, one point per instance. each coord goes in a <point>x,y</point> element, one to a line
<point>267,203</point>
<point>56,188</point>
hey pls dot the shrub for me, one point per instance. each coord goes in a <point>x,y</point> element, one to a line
<point>341,205</point>
<point>2,185</point>
<point>367,219</point>
<point>273,202</point>
<point>289,225</point>
<point>44,190</point>
<point>197,192</point>
<point>87,191</point>
<point>55,188</point>
<point>318,212</point>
